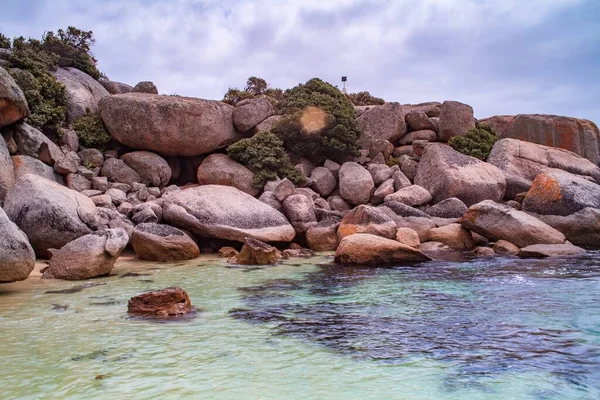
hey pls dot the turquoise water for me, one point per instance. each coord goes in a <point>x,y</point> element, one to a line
<point>468,329</point>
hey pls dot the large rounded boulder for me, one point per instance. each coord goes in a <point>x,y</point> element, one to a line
<point>225,212</point>
<point>83,92</point>
<point>356,183</point>
<point>522,161</point>
<point>157,242</point>
<point>17,258</point>
<point>168,125</point>
<point>557,192</point>
<point>50,214</point>
<point>251,112</point>
<point>152,168</point>
<point>220,169</point>
<point>88,256</point>
<point>367,219</point>
<point>13,105</point>
<point>497,221</point>
<point>7,171</point>
<point>363,248</point>
<point>446,173</point>
<point>456,119</point>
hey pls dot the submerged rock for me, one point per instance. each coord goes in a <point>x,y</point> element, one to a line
<point>88,256</point>
<point>255,252</point>
<point>551,250</point>
<point>164,243</point>
<point>363,248</point>
<point>165,303</point>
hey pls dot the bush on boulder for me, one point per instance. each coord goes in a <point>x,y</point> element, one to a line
<point>91,130</point>
<point>476,143</point>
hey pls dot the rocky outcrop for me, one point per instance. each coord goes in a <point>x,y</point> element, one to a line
<point>87,257</point>
<point>145,87</point>
<point>156,242</point>
<point>446,173</point>
<point>581,228</point>
<point>550,250</point>
<point>152,168</point>
<point>382,122</point>
<point>226,213</point>
<point>300,211</point>
<point>50,214</point>
<point>255,252</point>
<point>323,236</point>
<point>557,192</point>
<point>251,112</point>
<point>496,221</point>
<point>580,136</point>
<point>31,142</point>
<point>413,195</point>
<point>523,161</point>
<point>363,248</point>
<point>13,105</point>
<point>504,247</point>
<point>454,236</point>
<point>219,169</point>
<point>168,125</point>
<point>17,258</point>
<point>408,237</point>
<point>322,181</point>
<point>24,165</point>
<point>456,119</point>
<point>449,208</point>
<point>167,303</point>
<point>83,92</point>
<point>113,87</point>
<point>117,171</point>
<point>356,183</point>
<point>418,121</point>
<point>7,172</point>
<point>367,219</point>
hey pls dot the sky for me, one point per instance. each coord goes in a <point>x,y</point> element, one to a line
<point>499,56</point>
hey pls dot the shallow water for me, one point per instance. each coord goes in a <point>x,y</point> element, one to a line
<point>474,329</point>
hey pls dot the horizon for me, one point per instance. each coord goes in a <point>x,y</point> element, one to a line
<point>499,57</point>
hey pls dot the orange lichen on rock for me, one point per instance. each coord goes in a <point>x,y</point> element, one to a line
<point>545,189</point>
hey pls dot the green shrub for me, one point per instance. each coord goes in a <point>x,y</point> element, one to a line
<point>477,142</point>
<point>391,161</point>
<point>255,87</point>
<point>319,122</point>
<point>91,130</point>
<point>46,98</point>
<point>4,42</point>
<point>73,49</point>
<point>365,99</point>
<point>265,156</point>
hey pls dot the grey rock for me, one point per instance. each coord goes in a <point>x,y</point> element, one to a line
<point>226,213</point>
<point>28,165</point>
<point>449,208</point>
<point>78,182</point>
<point>411,137</point>
<point>497,221</point>
<point>87,257</point>
<point>250,112</point>
<point>356,183</point>
<point>163,243</point>
<point>270,199</point>
<point>113,87</point>
<point>117,196</point>
<point>333,167</point>
<point>267,125</point>
<point>409,168</point>
<point>144,216</point>
<point>83,92</point>
<point>456,119</point>
<point>300,211</point>
<point>91,158</point>
<point>413,195</point>
<point>404,210</point>
<point>17,258</point>
<point>323,236</point>
<point>336,203</point>
<point>219,169</point>
<point>47,212</point>
<point>379,172</point>
<point>152,168</point>
<point>70,139</point>
<point>581,228</point>
<point>385,189</point>
<point>400,180</point>
<point>551,250</point>
<point>284,189</point>
<point>68,164</point>
<point>323,181</point>
<point>145,87</point>
<point>117,171</point>
<point>382,122</point>
<point>34,143</point>
<point>7,172</point>
<point>100,183</point>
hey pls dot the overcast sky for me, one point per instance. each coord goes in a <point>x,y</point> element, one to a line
<point>500,56</point>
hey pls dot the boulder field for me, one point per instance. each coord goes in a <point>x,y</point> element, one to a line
<point>168,189</point>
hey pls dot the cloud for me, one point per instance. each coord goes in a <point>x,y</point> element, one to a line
<point>502,57</point>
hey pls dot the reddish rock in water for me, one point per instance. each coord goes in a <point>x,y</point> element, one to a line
<point>165,303</point>
<point>255,252</point>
